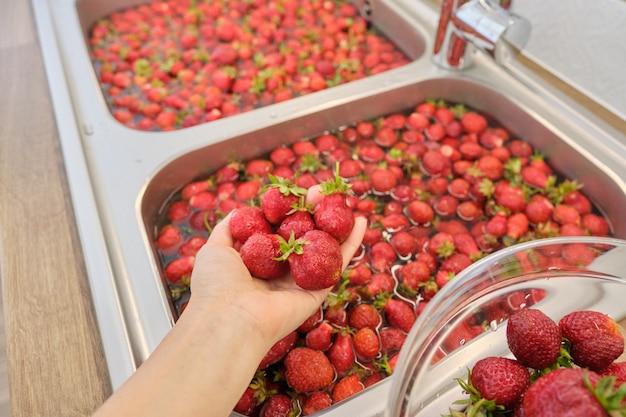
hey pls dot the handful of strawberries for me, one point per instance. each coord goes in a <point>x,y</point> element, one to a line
<point>286,234</point>
<point>569,368</point>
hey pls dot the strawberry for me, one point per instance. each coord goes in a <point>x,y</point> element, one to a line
<point>341,354</point>
<point>595,339</point>
<point>455,263</point>
<point>383,180</point>
<point>473,122</point>
<point>414,273</point>
<point>533,338</point>
<point>332,214</point>
<point>565,214</point>
<point>420,212</point>
<point>578,254</point>
<point>278,405</point>
<point>261,253</point>
<point>169,238</point>
<point>517,226</point>
<point>391,339</point>
<point>563,392</point>
<point>315,402</point>
<point>363,315</point>
<point>298,223</point>
<point>399,313</point>
<point>617,370</point>
<point>346,387</point>
<point>382,256</point>
<point>308,370</point>
<point>320,337</point>
<point>501,381</point>
<point>359,274</point>
<point>279,198</point>
<point>191,246</point>
<point>366,343</point>
<point>380,283</point>
<point>279,350</point>
<point>315,259</point>
<point>441,244</point>
<point>595,225</point>
<point>536,177</point>
<point>539,209</point>
<point>178,271</point>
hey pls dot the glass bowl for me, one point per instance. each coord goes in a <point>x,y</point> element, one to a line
<point>466,319</point>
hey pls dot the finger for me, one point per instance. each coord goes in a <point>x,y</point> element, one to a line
<point>354,240</point>
<point>313,195</point>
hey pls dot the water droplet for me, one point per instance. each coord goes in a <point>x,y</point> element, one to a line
<point>493,325</point>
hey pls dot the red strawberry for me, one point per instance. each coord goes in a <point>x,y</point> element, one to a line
<point>399,314</point>
<point>366,343</point>
<point>420,212</point>
<point>383,180</point>
<point>517,226</point>
<point>534,338</point>
<point>261,253</point>
<point>501,380</point>
<point>178,272</point>
<point>578,254</point>
<point>441,244</point>
<point>616,369</point>
<point>332,214</point>
<point>380,283</point>
<point>320,337</point>
<point>391,339</point>
<point>535,177</point>
<point>298,223</point>
<point>279,350</point>
<point>539,209</point>
<point>279,198</point>
<point>315,260</point>
<point>247,402</point>
<point>192,246</point>
<point>341,354</point>
<point>455,263</point>
<point>473,122</point>
<point>347,387</point>
<point>594,224</point>
<point>382,256</point>
<point>595,338</point>
<point>414,273</point>
<point>246,221</point>
<point>169,238</point>
<point>466,244</point>
<point>308,370</point>
<point>363,315</point>
<point>565,214</point>
<point>563,392</point>
<point>278,405</point>
<point>315,402</point>
<point>577,199</point>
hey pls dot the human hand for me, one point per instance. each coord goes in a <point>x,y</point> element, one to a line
<point>274,307</point>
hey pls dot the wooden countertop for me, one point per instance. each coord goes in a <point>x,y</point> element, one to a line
<point>55,358</point>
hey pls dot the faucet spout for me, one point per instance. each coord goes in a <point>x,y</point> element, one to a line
<point>482,24</point>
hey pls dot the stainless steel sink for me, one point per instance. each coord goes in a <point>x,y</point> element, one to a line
<point>120,178</point>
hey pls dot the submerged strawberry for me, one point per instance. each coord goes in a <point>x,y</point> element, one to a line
<point>308,370</point>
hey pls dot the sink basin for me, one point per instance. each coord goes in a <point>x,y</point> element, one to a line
<point>121,178</point>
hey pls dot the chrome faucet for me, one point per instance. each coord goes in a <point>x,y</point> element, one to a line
<point>483,24</point>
